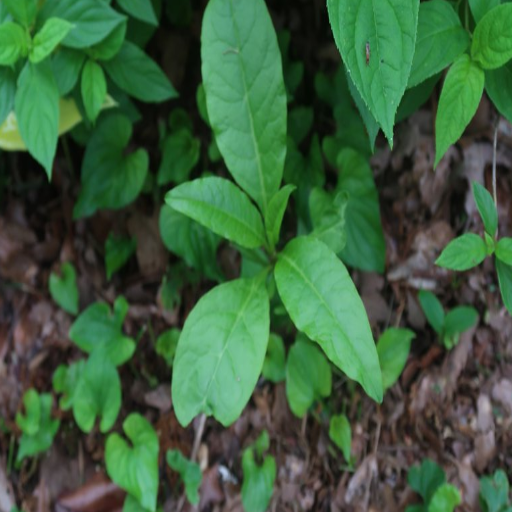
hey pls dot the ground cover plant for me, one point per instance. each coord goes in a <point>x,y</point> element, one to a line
<point>224,227</point>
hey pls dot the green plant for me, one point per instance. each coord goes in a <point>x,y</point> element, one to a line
<point>494,493</point>
<point>118,250</point>
<point>166,345</point>
<point>448,326</point>
<point>190,474</point>
<point>340,434</point>
<point>63,288</point>
<point>429,481</point>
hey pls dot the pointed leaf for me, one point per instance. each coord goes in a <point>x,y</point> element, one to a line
<point>504,250</point>
<point>340,433</point>
<point>140,9</point>
<point>460,319</point>
<point>7,92</point>
<point>486,208</point>
<point>433,310</point>
<point>23,11</point>
<point>505,280</point>
<point>94,89</point>
<point>462,253</point>
<point>181,152</point>
<point>45,41</point>
<point>63,288</point>
<point>274,367</point>
<point>393,349</point>
<point>494,492</point>
<point>275,213</point>
<point>479,8</point>
<point>13,43</point>
<point>498,85</point>
<point>426,479</point>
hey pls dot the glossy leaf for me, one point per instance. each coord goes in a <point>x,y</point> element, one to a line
<point>13,43</point>
<point>181,152</point>
<point>134,467</point>
<point>433,310</point>
<point>462,253</point>
<point>45,41</point>
<point>340,434</point>
<point>323,302</point>
<point>308,376</point>
<point>23,11</point>
<point>245,94</point>
<point>492,40</point>
<point>221,206</point>
<point>479,8</point>
<point>63,288</point>
<point>377,41</point>
<point>504,250</point>
<point>505,280</point>
<point>189,471</point>
<point>460,97</point>
<point>221,351</point>
<point>393,349</point>
<point>275,213</point>
<point>274,367</point>
<point>140,9</point>
<point>118,250</point>
<point>94,89</point>
<point>445,499</point>
<point>426,479</point>
<point>486,208</point>
<point>498,85</point>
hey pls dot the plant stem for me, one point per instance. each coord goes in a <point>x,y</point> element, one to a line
<point>494,148</point>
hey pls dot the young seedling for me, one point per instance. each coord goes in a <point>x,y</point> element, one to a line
<point>340,434</point>
<point>63,288</point>
<point>448,326</point>
<point>190,474</point>
<point>494,493</point>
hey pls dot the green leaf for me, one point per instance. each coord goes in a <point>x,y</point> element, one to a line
<point>275,213</point>
<point>274,367</point>
<point>37,111</point>
<point>140,9</point>
<point>221,351</point>
<point>492,39</point>
<point>94,89</point>
<point>479,8</point>
<point>46,40</point>
<point>13,43</point>
<point>300,120</point>
<point>118,250</point>
<point>460,97</point>
<point>245,94</point>
<point>181,152</point>
<point>23,11</point>
<point>293,71</point>
<point>388,29</point>
<point>462,253</point>
<point>460,319</point>
<point>323,302</point>
<point>138,75</point>
<point>65,381</point>
<point>189,471</point>
<point>340,433</point>
<point>426,479</point>
<point>505,280</point>
<point>93,21</point>
<point>486,208</point>
<point>445,499</point>
<point>393,349</point>
<point>63,288</point>
<point>498,85</point>
<point>166,345</point>
<point>135,468</point>
<point>66,66</point>
<point>365,248</point>
<point>494,492</point>
<point>30,423</point>
<point>415,97</point>
<point>190,241</point>
<point>111,178</point>
<point>7,92</point>
<point>433,310</point>
<point>308,376</point>
<point>504,250</point>
<point>109,47</point>
<point>259,478</point>
<point>221,206</point>
<point>99,330</point>
<point>441,39</point>
<point>97,394</point>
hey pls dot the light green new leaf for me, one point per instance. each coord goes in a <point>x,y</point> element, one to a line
<point>505,280</point>
<point>492,39</point>
<point>393,349</point>
<point>67,64</point>
<point>97,394</point>
<point>275,213</point>
<point>111,178</point>
<point>479,8</point>
<point>140,9</point>
<point>181,152</point>
<point>323,302</point>
<point>340,434</point>
<point>274,367</point>
<point>45,41</point>
<point>138,75</point>
<point>189,471</point>
<point>386,28</point>
<point>445,499</point>
<point>365,248</point>
<point>426,479</point>
<point>462,253</point>
<point>504,250</point>
<point>245,94</point>
<point>13,43</point>
<point>134,467</point>
<point>486,208</point>
<point>7,92</point>
<point>433,310</point>
<point>118,250</point>
<point>99,330</point>
<point>190,241</point>
<point>498,85</point>
<point>94,89</point>
<point>459,320</point>
<point>37,111</point>
<point>221,351</point>
<point>65,381</point>
<point>308,376</point>
<point>63,288</point>
<point>221,206</point>
<point>93,20</point>
<point>460,97</point>
<point>441,39</point>
<point>23,11</point>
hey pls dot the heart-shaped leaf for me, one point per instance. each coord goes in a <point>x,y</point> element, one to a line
<point>63,288</point>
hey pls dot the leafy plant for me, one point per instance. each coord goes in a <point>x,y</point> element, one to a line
<point>393,349</point>
<point>448,326</point>
<point>166,345</point>
<point>189,471</point>
<point>494,493</point>
<point>63,288</point>
<point>340,434</point>
<point>274,365</point>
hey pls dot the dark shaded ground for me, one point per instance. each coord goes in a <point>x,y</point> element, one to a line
<point>454,407</point>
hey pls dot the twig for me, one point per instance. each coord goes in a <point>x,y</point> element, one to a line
<point>199,435</point>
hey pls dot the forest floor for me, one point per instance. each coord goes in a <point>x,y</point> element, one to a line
<point>452,406</point>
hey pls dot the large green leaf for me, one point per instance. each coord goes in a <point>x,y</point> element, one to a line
<point>460,97</point>
<point>393,348</point>
<point>111,178</point>
<point>365,248</point>
<point>323,302</point>
<point>221,206</point>
<point>441,39</point>
<point>245,93</point>
<point>13,43</point>
<point>221,351</point>
<point>479,8</point>
<point>45,41</point>
<point>37,110</point>
<point>462,253</point>
<point>492,39</point>
<point>376,40</point>
<point>498,85</point>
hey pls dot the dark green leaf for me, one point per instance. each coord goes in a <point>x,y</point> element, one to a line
<point>479,8</point>
<point>23,11</point>
<point>498,85</point>
<point>118,250</point>
<point>67,64</point>
<point>460,319</point>
<point>7,92</point>
<point>494,492</point>
<point>180,155</point>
